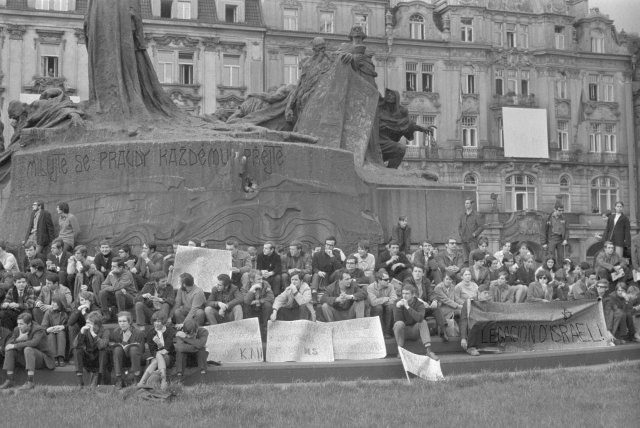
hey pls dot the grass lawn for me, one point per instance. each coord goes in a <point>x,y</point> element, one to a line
<point>606,396</point>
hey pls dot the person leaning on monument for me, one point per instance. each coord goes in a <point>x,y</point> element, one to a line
<point>556,233</point>
<point>69,226</point>
<point>156,295</point>
<point>409,322</point>
<point>469,228</point>
<point>40,228</point>
<point>190,300</point>
<point>294,303</point>
<point>224,303</point>
<point>382,299</point>
<point>344,299</point>
<point>28,347</point>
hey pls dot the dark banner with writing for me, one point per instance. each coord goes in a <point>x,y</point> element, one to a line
<point>537,326</point>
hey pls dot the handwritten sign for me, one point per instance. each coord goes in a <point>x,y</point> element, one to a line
<point>538,326</point>
<point>358,339</point>
<point>301,341</point>
<point>420,365</point>
<point>235,342</point>
<point>203,263</point>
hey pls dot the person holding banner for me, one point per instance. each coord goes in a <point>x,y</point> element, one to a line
<point>382,299</point>
<point>190,301</point>
<point>224,303</point>
<point>344,300</point>
<point>294,303</point>
<point>258,300</point>
<point>410,324</point>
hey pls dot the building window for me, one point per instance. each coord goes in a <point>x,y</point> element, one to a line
<point>361,20</point>
<point>511,35</point>
<point>59,5</point>
<point>183,10</point>
<point>470,180</point>
<point>416,27</point>
<point>427,77</point>
<point>520,193</point>
<point>290,19</point>
<point>185,67</point>
<point>595,138</point>
<point>165,66</point>
<point>412,83</point>
<point>498,31</point>
<point>466,29</point>
<point>49,66</point>
<point>290,69</point>
<point>597,41</point>
<point>500,128</point>
<point>469,131</point>
<point>524,36</point>
<point>604,194</point>
<point>593,87</point>
<point>563,135</point>
<point>499,82</point>
<point>411,75</point>
<point>609,138</point>
<point>524,82</point>
<point>469,83</point>
<point>231,70</point>
<point>421,138</point>
<point>607,88</point>
<point>565,192</point>
<point>559,37</point>
<point>326,22</point>
<point>561,87</point>
<point>512,82</point>
<point>165,8</point>
<point>230,13</point>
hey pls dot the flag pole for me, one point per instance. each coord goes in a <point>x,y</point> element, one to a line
<point>404,366</point>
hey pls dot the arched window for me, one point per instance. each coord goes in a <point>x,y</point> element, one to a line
<point>520,192</point>
<point>604,194</point>
<point>565,192</point>
<point>470,180</point>
<point>416,27</point>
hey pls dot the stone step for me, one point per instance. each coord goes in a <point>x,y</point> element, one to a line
<point>387,368</point>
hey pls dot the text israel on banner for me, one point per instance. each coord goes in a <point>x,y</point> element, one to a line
<point>358,339</point>
<point>420,365</point>
<point>537,326</point>
<point>203,263</point>
<point>301,341</point>
<point>235,342</point>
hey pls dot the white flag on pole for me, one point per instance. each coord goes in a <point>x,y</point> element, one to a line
<point>420,365</point>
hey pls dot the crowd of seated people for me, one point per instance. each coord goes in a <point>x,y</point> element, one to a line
<point>54,307</point>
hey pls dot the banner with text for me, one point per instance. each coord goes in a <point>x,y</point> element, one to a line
<point>203,264</point>
<point>235,342</point>
<point>537,326</point>
<point>301,341</point>
<point>358,339</point>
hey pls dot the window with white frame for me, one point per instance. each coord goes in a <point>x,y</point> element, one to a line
<point>499,79</point>
<point>290,70</point>
<point>520,192</point>
<point>165,66</point>
<point>498,30</point>
<point>44,4</point>
<point>511,36</point>
<point>563,135</point>
<point>595,138</point>
<point>602,138</point>
<point>469,126</point>
<point>230,13</point>
<point>593,87</point>
<point>185,68</point>
<point>597,41</point>
<point>565,192</point>
<point>524,82</point>
<point>469,82</point>
<point>427,78</point>
<point>604,194</point>
<point>524,36</point>
<point>561,87</point>
<point>421,138</point>
<point>607,88</point>
<point>500,129</point>
<point>231,70</point>
<point>466,29</point>
<point>416,27</point>
<point>326,22</point>
<point>418,77</point>
<point>49,60</point>
<point>559,37</point>
<point>512,82</point>
<point>411,76</point>
<point>290,19</point>
<point>363,21</point>
<point>183,10</point>
<point>609,138</point>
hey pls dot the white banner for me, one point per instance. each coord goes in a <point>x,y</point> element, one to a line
<point>301,341</point>
<point>203,264</point>
<point>235,342</point>
<point>358,339</point>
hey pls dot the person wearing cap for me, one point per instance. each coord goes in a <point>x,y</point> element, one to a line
<point>344,299</point>
<point>409,322</point>
<point>156,296</point>
<point>191,340</point>
<point>224,303</point>
<point>40,228</point>
<point>556,233</point>
<point>382,299</point>
<point>294,303</point>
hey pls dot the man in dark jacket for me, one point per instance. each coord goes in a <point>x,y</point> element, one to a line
<point>409,321</point>
<point>344,299</point>
<point>155,296</point>
<point>323,264</point>
<point>224,303</point>
<point>40,228</point>
<point>270,265</point>
<point>469,228</point>
<point>27,346</point>
<point>556,233</point>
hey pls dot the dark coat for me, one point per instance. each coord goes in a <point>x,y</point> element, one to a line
<point>620,234</point>
<point>45,232</point>
<point>37,339</point>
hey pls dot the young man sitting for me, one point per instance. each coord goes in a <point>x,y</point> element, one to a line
<point>409,321</point>
<point>127,345</point>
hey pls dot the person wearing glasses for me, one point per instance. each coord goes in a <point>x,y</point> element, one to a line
<point>556,233</point>
<point>540,291</point>
<point>382,299</point>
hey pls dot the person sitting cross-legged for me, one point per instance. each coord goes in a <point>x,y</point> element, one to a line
<point>191,340</point>
<point>382,299</point>
<point>408,314</point>
<point>344,299</point>
<point>294,303</point>
<point>27,346</point>
<point>155,296</point>
<point>224,303</point>
<point>90,349</point>
<point>160,340</point>
<point>127,344</point>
